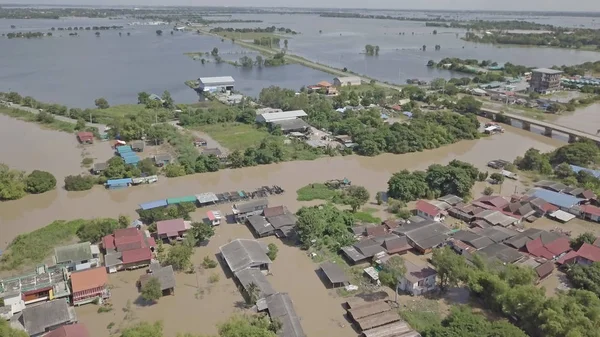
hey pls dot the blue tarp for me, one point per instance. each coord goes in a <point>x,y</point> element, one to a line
<point>127,154</point>
<point>153,204</point>
<point>132,160</point>
<point>407,114</point>
<point>125,148</point>
<point>114,182</point>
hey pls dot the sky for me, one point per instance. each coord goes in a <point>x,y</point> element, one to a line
<point>507,5</point>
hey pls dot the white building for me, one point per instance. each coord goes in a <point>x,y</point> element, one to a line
<point>418,279</point>
<point>13,303</point>
<point>280,116</point>
<point>346,81</point>
<point>212,84</point>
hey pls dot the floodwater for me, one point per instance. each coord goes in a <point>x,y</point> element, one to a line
<point>341,44</point>
<point>76,70</point>
<point>586,119</point>
<point>36,211</point>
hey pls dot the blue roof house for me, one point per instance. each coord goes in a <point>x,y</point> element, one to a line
<point>576,169</point>
<point>118,183</point>
<point>563,201</point>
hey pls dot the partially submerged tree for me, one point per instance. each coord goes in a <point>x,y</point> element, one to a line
<point>151,291</point>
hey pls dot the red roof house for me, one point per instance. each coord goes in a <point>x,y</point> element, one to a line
<point>73,330</point>
<point>85,137</point>
<point>586,255</point>
<point>137,256</point>
<point>88,285</point>
<point>590,212</point>
<point>491,202</point>
<point>376,230</point>
<point>171,229</point>
<point>127,239</point>
<point>549,250</point>
<point>427,210</point>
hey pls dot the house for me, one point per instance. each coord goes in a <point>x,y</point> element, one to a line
<point>451,199</point>
<point>549,249</point>
<point>40,319</point>
<point>281,309</point>
<point>173,229</point>
<point>85,137</point>
<point>43,284</point>
<point>216,84</point>
<point>165,276</point>
<point>291,125</point>
<point>544,270</point>
<point>564,202</point>
<point>247,277</point>
<point>426,210</point>
<point>99,168</point>
<point>78,256</point>
<point>346,81</point>
<point>520,240</point>
<point>73,330</point>
<point>260,226</point>
<point>127,248</point>
<point>138,145</point>
<point>586,255</point>
<point>473,240</point>
<point>155,97</point>
<point>213,151</point>
<point>284,224</point>
<point>492,202</point>
<point>370,248</point>
<point>280,116</point>
<point>502,253</point>
<point>590,212</point>
<point>497,218</point>
<point>162,159</point>
<point>242,254</point>
<point>214,217</point>
<point>254,207</point>
<point>13,303</point>
<point>424,235</point>
<point>334,274</point>
<point>89,285</point>
<point>418,279</point>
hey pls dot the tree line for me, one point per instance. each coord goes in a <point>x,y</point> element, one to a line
<point>15,184</point>
<point>573,38</point>
<point>87,28</point>
<point>26,35</point>
<point>271,29</point>
<point>492,25</point>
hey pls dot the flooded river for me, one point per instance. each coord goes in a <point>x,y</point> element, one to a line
<point>63,157</point>
<point>586,119</point>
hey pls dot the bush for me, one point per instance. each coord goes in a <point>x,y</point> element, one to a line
<point>273,250</point>
<point>40,182</point>
<point>174,170</point>
<point>151,291</point>
<point>488,190</point>
<point>209,263</point>
<point>214,278</point>
<point>95,230</point>
<point>79,183</point>
<point>87,162</point>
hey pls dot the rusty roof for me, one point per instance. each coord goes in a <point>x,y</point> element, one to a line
<point>88,279</point>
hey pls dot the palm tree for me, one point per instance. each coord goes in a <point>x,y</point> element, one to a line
<point>253,293</point>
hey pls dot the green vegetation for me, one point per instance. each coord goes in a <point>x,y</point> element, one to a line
<point>79,183</point>
<point>324,226</point>
<point>372,50</point>
<point>180,256</point>
<point>391,271</point>
<point>559,37</point>
<point>33,247</point>
<point>272,29</point>
<point>151,291</point>
<point>181,210</point>
<point>201,232</point>
<point>26,35</point>
<point>455,178</point>
<point>213,278</point>
<point>101,103</point>
<point>45,119</point>
<point>491,25</point>
<point>510,291</point>
<point>208,263</point>
<point>235,136</point>
<point>479,68</point>
<point>317,192</point>
<point>273,250</point>
<point>7,331</point>
<point>366,216</point>
<point>16,184</point>
<point>95,230</point>
<point>587,237</point>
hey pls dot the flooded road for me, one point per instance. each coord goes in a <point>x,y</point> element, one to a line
<point>63,158</point>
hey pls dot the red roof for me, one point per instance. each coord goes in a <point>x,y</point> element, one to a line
<point>396,107</point>
<point>567,258</point>
<point>210,216</point>
<point>127,239</point>
<point>170,226</point>
<point>73,330</point>
<point>88,279</point>
<point>589,252</point>
<point>83,136</point>
<point>491,202</point>
<point>590,209</point>
<point>108,242</point>
<point>536,248</point>
<point>376,231</point>
<point>428,208</point>
<point>137,255</point>
<point>559,246</point>
<point>131,231</point>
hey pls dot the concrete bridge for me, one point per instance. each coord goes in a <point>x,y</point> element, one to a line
<point>548,128</point>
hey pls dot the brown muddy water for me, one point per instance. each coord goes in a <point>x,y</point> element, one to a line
<point>586,119</point>
<point>63,157</point>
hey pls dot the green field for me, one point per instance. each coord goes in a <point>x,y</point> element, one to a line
<point>366,215</point>
<point>317,192</point>
<point>235,136</point>
<point>30,117</point>
<point>106,115</point>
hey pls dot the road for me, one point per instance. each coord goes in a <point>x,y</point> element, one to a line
<point>305,62</point>
<point>100,127</point>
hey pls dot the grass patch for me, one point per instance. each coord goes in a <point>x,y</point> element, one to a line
<point>117,111</point>
<point>87,162</point>
<point>235,136</point>
<point>421,313</point>
<point>35,246</point>
<point>214,278</point>
<point>366,215</point>
<point>317,192</point>
<point>31,117</point>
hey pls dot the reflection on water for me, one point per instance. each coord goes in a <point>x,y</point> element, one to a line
<point>36,211</point>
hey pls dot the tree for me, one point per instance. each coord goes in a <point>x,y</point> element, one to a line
<point>272,253</point>
<point>174,170</point>
<point>101,103</point>
<point>563,171</point>
<point>438,84</point>
<point>324,225</point>
<point>406,186</point>
<point>40,182</point>
<point>356,196</point>
<point>248,326</point>
<point>259,61</point>
<point>159,32</point>
<point>497,177</point>
<point>167,100</point>
<point>79,183</point>
<point>582,153</point>
<point>80,125</point>
<point>376,50</point>
<point>201,232</point>
<point>215,52</point>
<point>587,237</point>
<point>152,291</point>
<point>285,43</point>
<point>97,34</point>
<point>585,277</point>
<point>450,267</point>
<point>179,256</point>
<point>7,331</point>
<point>236,159</point>
<point>533,160</point>
<point>246,61</point>
<point>12,183</point>
<point>147,167</point>
<point>392,270</point>
<point>144,329</point>
<point>143,97</point>
<point>95,230</point>
<point>468,104</point>
<point>488,190</point>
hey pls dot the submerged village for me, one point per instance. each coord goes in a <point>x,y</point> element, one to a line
<point>460,205</point>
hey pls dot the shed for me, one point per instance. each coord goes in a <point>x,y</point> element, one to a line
<point>118,183</point>
<point>153,204</point>
<point>247,277</point>
<point>260,226</point>
<point>175,201</point>
<point>214,217</point>
<point>346,81</point>
<point>138,145</point>
<point>292,125</point>
<point>562,216</point>
<point>99,167</point>
<point>544,270</point>
<point>241,254</point>
<point>162,159</point>
<point>206,198</point>
<point>281,308</point>
<point>280,116</point>
<point>398,329</point>
<point>47,316</point>
<point>335,275</point>
<point>369,309</point>
<point>378,320</point>
<point>85,137</point>
<point>213,83</point>
<point>165,276</point>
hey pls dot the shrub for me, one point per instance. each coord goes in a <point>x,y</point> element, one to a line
<point>40,182</point>
<point>272,253</point>
<point>214,278</point>
<point>79,183</point>
<point>209,263</point>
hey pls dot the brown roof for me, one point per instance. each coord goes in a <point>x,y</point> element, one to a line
<point>416,273</point>
<point>377,230</point>
<point>545,269</point>
<point>88,279</point>
<point>273,211</point>
<point>396,245</point>
<point>74,330</point>
<point>392,223</point>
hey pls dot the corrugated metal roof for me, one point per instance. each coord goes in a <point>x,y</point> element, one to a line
<point>558,199</point>
<point>189,198</point>
<point>119,181</point>
<point>270,117</point>
<point>153,204</point>
<point>124,148</point>
<point>216,80</point>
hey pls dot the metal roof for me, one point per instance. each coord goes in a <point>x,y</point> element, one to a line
<point>165,276</point>
<point>73,253</point>
<point>280,307</point>
<point>547,71</point>
<point>291,124</point>
<point>279,116</point>
<point>216,80</point>
<point>190,198</point>
<point>250,276</point>
<point>244,253</point>
<point>334,273</point>
<point>555,198</point>
<point>260,225</point>
<point>119,181</point>
<point>153,204</point>
<point>251,205</point>
<point>205,198</point>
<point>36,319</point>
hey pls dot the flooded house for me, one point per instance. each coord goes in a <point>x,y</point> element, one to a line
<point>162,159</point>
<point>214,217</point>
<point>427,210</point>
<point>85,137</point>
<point>250,278</point>
<point>216,84</point>
<point>255,207</point>
<point>335,275</point>
<point>281,308</point>
<point>99,167</point>
<point>165,276</point>
<point>78,256</point>
<point>40,319</point>
<point>174,229</point>
<point>371,248</point>
<point>89,285</point>
<point>242,254</point>
<point>72,330</point>
<point>127,248</point>
<point>418,279</point>
<point>425,235</point>
<point>138,145</point>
